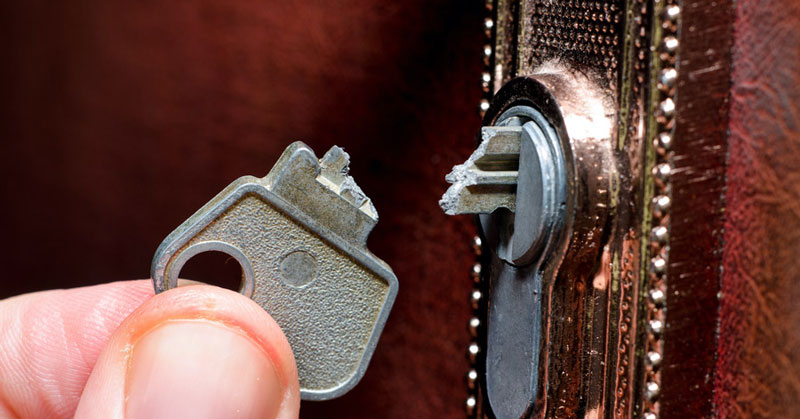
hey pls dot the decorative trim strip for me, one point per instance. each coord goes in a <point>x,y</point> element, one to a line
<point>472,405</point>
<point>663,97</point>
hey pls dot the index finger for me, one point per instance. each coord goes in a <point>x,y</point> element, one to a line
<point>50,342</point>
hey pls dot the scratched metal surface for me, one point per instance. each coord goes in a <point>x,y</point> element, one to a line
<point>698,187</point>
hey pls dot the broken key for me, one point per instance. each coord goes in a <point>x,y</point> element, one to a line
<point>300,236</point>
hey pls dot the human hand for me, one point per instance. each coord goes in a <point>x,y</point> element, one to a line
<point>117,351</point>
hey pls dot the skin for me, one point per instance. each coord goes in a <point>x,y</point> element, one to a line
<point>117,351</point>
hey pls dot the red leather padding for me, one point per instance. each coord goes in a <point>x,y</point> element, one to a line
<point>758,363</point>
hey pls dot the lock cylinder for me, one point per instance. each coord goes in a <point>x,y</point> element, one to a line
<point>539,182</point>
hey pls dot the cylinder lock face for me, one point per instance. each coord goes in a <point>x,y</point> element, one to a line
<point>523,182</point>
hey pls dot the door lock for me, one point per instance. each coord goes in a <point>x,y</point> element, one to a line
<point>539,184</point>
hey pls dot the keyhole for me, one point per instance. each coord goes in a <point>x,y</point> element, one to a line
<point>213,268</point>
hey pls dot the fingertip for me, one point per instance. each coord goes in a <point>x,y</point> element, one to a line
<point>195,349</point>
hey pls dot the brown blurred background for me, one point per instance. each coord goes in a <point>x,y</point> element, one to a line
<point>119,119</point>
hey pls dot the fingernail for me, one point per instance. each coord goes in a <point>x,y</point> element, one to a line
<point>201,369</point>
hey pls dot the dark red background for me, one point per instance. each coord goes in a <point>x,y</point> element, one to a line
<point>119,119</point>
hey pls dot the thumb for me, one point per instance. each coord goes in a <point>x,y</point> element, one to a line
<point>194,352</point>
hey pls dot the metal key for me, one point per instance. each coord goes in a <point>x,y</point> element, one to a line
<point>300,236</point>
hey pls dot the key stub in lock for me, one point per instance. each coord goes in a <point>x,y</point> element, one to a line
<point>300,235</point>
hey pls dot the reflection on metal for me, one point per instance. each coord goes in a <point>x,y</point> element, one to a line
<point>300,236</point>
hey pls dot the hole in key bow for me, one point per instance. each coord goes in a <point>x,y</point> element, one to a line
<point>213,268</point>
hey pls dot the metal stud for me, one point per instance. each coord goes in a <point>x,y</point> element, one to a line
<point>472,379</point>
<point>664,141</point>
<point>672,12</point>
<point>667,107</point>
<point>474,325</point>
<point>668,77</point>
<point>658,265</point>
<point>661,205</point>
<point>472,352</point>
<point>659,234</point>
<point>670,44</point>
<point>662,171</point>
<point>654,359</point>
<point>476,245</point>
<point>475,273</point>
<point>657,296</point>
<point>470,405</point>
<point>656,326</point>
<point>652,390</point>
<point>475,299</point>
